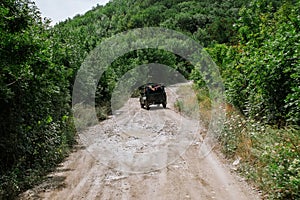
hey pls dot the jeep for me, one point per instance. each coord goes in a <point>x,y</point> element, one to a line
<point>152,93</point>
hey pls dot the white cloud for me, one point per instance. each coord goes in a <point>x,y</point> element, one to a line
<point>59,10</point>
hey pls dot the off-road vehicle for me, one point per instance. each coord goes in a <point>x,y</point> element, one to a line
<point>152,93</point>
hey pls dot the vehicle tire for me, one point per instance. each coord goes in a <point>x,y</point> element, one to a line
<point>142,105</point>
<point>164,105</point>
<point>148,107</point>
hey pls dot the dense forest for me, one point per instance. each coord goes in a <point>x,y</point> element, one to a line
<point>254,43</point>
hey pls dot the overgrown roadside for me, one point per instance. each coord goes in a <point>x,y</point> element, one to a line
<point>267,156</point>
<point>261,76</point>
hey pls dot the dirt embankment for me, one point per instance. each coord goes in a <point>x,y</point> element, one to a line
<point>140,154</point>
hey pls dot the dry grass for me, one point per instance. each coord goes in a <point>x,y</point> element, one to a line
<point>195,103</point>
<point>187,102</point>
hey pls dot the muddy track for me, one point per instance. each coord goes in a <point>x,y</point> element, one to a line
<point>140,154</point>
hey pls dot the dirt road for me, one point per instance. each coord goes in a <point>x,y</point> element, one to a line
<point>140,154</point>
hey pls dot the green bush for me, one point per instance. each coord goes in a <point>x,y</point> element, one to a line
<point>261,72</point>
<point>35,124</point>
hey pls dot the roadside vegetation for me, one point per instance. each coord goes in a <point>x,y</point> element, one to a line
<point>255,44</point>
<point>36,127</point>
<point>261,74</point>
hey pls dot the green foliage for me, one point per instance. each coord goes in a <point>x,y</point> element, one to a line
<point>261,74</point>
<point>280,157</point>
<point>35,124</point>
<point>198,19</point>
<point>261,77</point>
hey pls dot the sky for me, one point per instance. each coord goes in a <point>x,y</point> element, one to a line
<point>60,10</point>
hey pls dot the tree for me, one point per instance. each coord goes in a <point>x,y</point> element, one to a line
<point>35,123</point>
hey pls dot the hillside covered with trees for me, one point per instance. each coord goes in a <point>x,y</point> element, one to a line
<point>254,43</point>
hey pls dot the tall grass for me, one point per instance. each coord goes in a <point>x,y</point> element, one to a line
<point>270,157</point>
<point>194,102</point>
